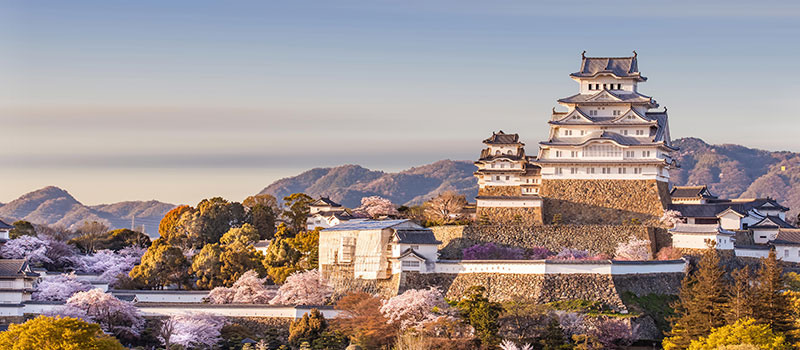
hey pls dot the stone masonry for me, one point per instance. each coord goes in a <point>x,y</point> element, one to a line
<point>610,202</point>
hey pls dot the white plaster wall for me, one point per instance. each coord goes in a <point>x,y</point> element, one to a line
<point>751,253</point>
<point>549,267</point>
<point>12,297</point>
<point>165,297</point>
<point>730,221</point>
<point>649,172</point>
<point>628,85</point>
<point>698,241</point>
<point>787,252</point>
<point>762,236</point>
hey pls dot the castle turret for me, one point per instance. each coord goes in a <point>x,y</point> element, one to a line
<point>508,183</point>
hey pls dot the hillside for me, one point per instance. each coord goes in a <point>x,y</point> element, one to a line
<point>54,206</point>
<point>347,184</point>
<point>733,171</point>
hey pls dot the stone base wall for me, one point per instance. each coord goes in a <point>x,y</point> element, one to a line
<point>595,238</point>
<point>500,191</point>
<point>343,281</point>
<point>520,216</point>
<point>603,201</point>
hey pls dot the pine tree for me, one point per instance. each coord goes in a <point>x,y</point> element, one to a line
<point>771,305</point>
<point>701,302</point>
<point>740,294</point>
<point>308,328</point>
<point>553,337</point>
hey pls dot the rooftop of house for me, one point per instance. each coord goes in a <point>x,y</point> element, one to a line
<point>324,202</point>
<point>606,96</point>
<point>691,192</point>
<point>16,268</point>
<point>5,226</point>
<point>501,138</point>
<point>716,206</point>
<point>622,67</point>
<point>363,225</point>
<point>415,236</point>
<point>772,221</point>
<point>682,228</point>
<point>787,237</point>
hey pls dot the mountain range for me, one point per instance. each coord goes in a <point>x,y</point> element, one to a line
<point>56,207</point>
<point>730,171</point>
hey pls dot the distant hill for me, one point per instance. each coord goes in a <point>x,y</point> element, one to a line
<point>347,184</point>
<point>734,171</point>
<point>54,206</point>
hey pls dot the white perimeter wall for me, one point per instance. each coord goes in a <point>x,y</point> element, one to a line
<point>540,267</point>
<point>233,310</point>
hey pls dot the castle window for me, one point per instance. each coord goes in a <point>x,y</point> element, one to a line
<point>617,112</point>
<point>639,132</point>
<point>583,132</point>
<point>637,170</point>
<point>624,132</point>
<point>508,177</point>
<point>568,132</point>
<point>559,171</point>
<point>590,170</point>
<point>606,170</point>
<point>509,152</point>
<point>502,165</point>
<point>593,112</point>
<point>497,153</point>
<point>786,252</point>
<point>645,154</point>
<point>629,154</point>
<point>604,86</point>
<point>591,86</point>
<point>619,86</point>
<point>573,154</point>
<point>558,154</point>
<point>573,170</point>
<point>602,151</point>
<point>492,165</point>
<point>410,263</point>
<point>497,177</point>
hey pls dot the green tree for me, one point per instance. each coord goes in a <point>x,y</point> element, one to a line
<point>745,331</point>
<point>114,240</point>
<point>553,337</point>
<point>170,225</point>
<point>297,209</point>
<point>481,314</point>
<point>262,211</point>
<point>22,228</point>
<point>701,302</point>
<point>771,305</point>
<point>309,328</point>
<point>281,258</point>
<point>740,296</point>
<point>238,255</point>
<point>91,233</point>
<point>162,265</point>
<point>217,216</point>
<point>307,243</point>
<point>207,267</point>
<point>57,333</point>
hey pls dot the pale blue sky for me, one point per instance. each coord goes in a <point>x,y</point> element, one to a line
<point>181,100</point>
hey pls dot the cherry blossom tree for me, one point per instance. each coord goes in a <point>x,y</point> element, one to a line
<point>375,206</point>
<point>248,289</point>
<point>577,254</point>
<point>110,264</point>
<point>509,345</point>
<point>633,249</point>
<point>60,288</point>
<point>199,330</point>
<point>415,308</point>
<point>669,253</point>
<point>115,316</point>
<point>671,217</point>
<point>26,247</point>
<point>303,288</point>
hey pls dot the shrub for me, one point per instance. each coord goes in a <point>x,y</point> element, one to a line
<point>491,251</point>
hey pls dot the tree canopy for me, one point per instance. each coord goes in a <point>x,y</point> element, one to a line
<point>57,333</point>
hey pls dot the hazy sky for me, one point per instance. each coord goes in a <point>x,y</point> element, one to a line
<point>182,100</point>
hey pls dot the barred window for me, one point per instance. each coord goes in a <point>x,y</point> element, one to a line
<point>603,151</point>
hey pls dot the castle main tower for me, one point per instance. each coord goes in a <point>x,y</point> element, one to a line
<point>607,158</point>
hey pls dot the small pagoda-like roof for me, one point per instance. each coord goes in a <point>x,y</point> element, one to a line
<point>16,268</point>
<point>621,67</point>
<point>699,229</point>
<point>501,138</point>
<point>579,117</point>
<point>487,155</point>
<point>415,236</point>
<point>604,135</point>
<point>693,192</point>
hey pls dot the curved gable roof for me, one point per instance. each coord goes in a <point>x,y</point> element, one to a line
<point>622,67</point>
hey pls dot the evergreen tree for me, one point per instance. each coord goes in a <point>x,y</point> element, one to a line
<point>701,302</point>
<point>553,337</point>
<point>481,314</point>
<point>307,329</point>
<point>740,294</point>
<point>771,305</point>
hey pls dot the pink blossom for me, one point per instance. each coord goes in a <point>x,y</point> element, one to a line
<point>303,288</point>
<point>115,316</point>
<point>577,254</point>
<point>248,289</point>
<point>30,248</point>
<point>633,249</point>
<point>671,217</point>
<point>60,288</point>
<point>69,311</point>
<point>109,264</point>
<point>415,307</point>
<point>197,330</point>
<point>375,206</point>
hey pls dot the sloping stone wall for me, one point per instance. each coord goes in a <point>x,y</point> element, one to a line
<point>595,238</point>
<point>603,201</point>
<point>500,191</point>
<point>518,216</point>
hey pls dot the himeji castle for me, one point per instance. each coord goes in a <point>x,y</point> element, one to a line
<point>609,132</point>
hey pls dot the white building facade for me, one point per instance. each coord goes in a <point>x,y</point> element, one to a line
<point>608,130</point>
